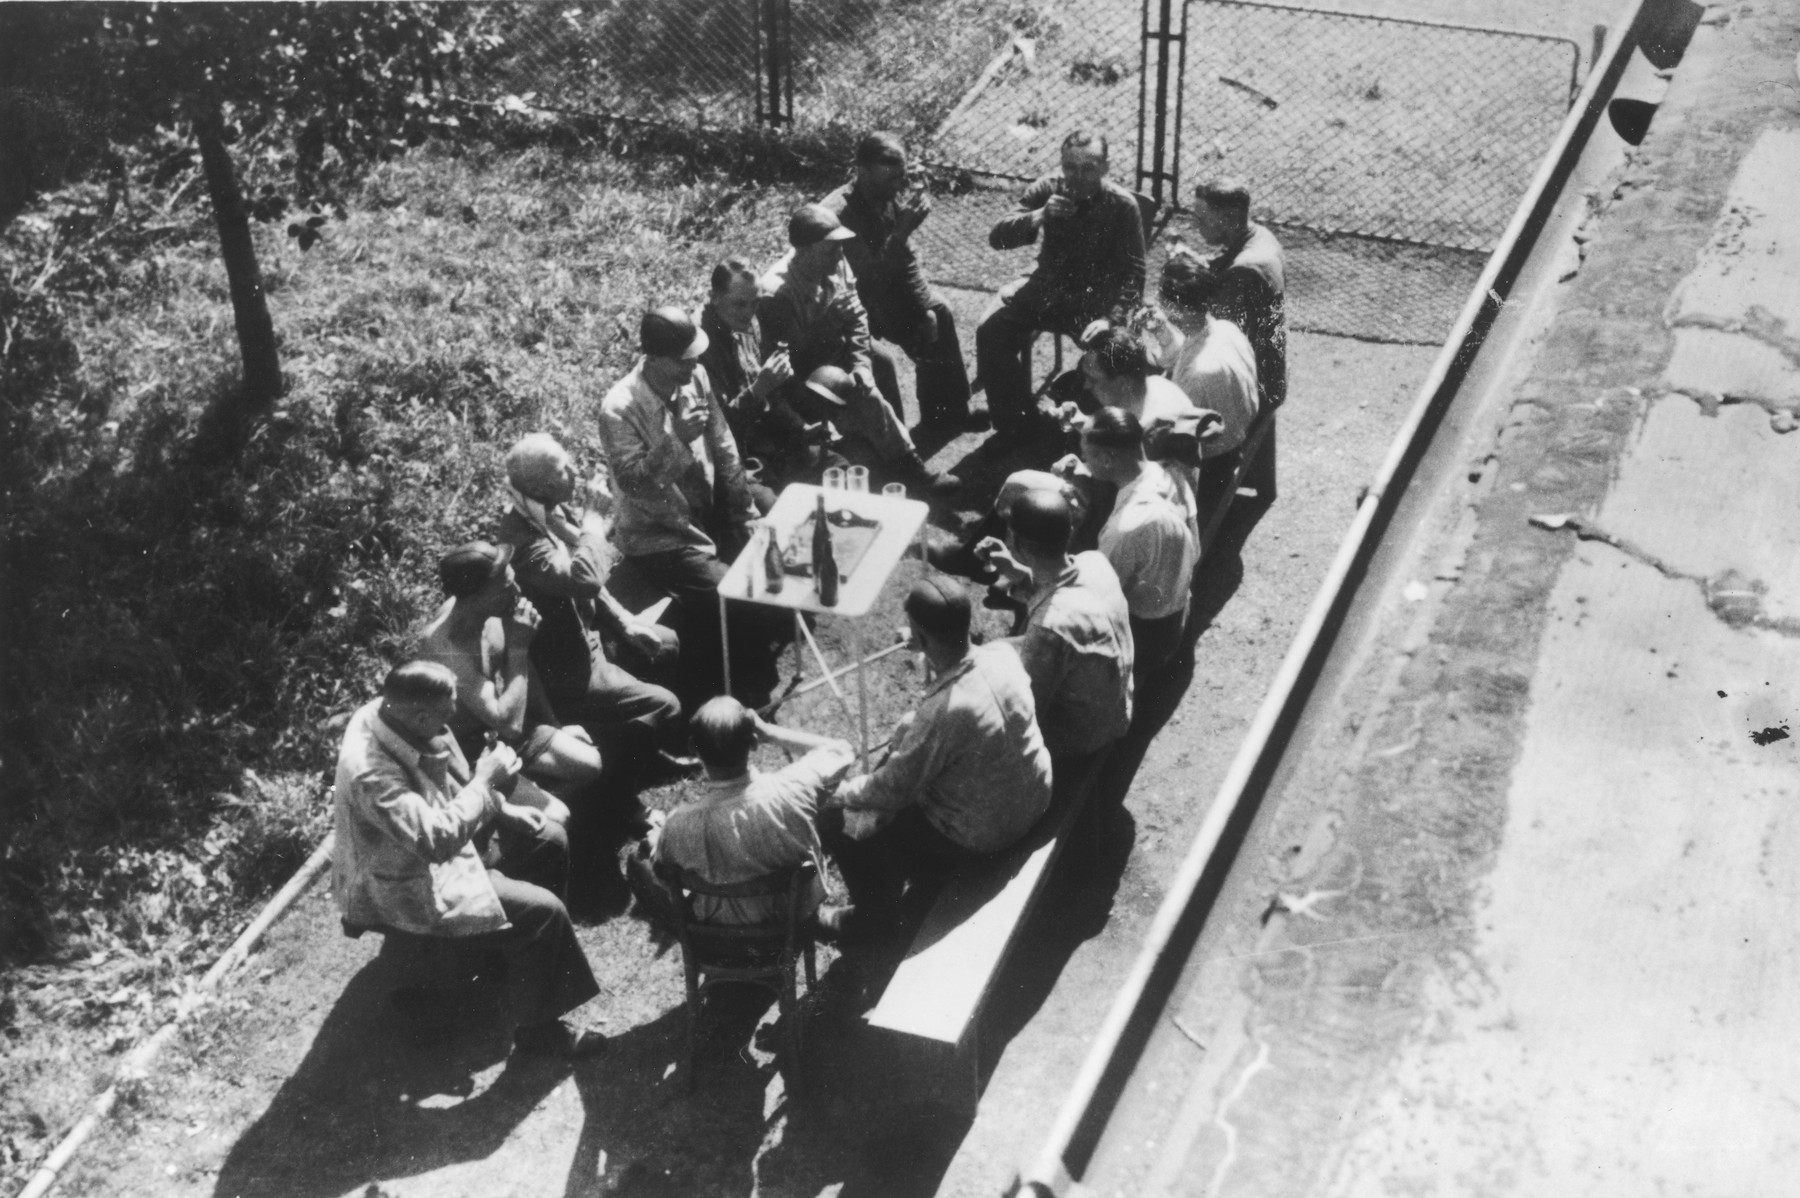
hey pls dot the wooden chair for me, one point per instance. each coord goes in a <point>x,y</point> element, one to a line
<point>761,954</point>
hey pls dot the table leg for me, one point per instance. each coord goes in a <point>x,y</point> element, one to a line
<point>725,641</point>
<point>862,705</point>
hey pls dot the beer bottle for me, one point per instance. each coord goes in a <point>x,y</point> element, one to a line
<point>825,571</point>
<point>774,573</point>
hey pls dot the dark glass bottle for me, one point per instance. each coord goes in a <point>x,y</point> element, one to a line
<point>825,571</point>
<point>774,573</point>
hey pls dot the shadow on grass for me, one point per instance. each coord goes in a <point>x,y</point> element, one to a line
<point>376,1098</point>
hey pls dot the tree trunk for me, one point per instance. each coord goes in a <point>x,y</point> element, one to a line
<point>256,332</point>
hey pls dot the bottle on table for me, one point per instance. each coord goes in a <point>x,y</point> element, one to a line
<point>774,569</point>
<point>825,571</point>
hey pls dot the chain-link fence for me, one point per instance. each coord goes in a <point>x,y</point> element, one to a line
<point>1387,153</point>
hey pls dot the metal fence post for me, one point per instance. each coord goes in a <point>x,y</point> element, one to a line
<point>1154,153</point>
<point>774,62</point>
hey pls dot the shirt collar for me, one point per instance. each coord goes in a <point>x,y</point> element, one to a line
<point>952,674</point>
<point>407,747</point>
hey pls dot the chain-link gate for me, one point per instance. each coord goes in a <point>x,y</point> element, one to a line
<point>1387,153</point>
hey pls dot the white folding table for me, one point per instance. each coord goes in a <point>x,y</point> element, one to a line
<point>899,521</point>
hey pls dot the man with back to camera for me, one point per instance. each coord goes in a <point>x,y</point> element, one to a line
<point>815,312</point>
<point>1252,273</point>
<point>408,812</point>
<point>561,558</point>
<point>743,823</point>
<point>1076,645</point>
<point>683,503</point>
<point>967,773</point>
<point>1091,262</point>
<point>902,307</point>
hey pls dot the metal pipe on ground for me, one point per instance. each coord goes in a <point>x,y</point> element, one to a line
<point>137,1065</point>
<point>1104,1073</point>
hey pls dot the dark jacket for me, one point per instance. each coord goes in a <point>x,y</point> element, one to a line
<point>1089,263</point>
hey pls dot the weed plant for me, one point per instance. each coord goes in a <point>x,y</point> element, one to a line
<point>187,629</point>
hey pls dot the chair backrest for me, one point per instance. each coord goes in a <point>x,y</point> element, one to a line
<point>794,882</point>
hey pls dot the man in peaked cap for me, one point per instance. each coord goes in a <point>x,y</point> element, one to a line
<point>814,311</point>
<point>683,504</point>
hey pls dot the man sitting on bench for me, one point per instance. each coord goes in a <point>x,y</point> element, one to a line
<point>1151,537</point>
<point>966,774</point>
<point>410,813</point>
<point>1091,262</point>
<point>1252,274</point>
<point>745,824</point>
<point>1076,646</point>
<point>1208,358</point>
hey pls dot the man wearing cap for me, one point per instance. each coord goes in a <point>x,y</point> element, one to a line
<point>409,814</point>
<point>901,305</point>
<point>814,311</point>
<point>682,498</point>
<point>1252,273</point>
<point>744,823</point>
<point>483,634</point>
<point>1151,538</point>
<point>966,774</point>
<point>1091,262</point>
<point>1077,640</point>
<point>561,558</point>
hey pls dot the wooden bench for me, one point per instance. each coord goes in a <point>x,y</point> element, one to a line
<point>934,1000</point>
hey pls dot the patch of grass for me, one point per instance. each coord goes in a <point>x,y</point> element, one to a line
<point>185,633</point>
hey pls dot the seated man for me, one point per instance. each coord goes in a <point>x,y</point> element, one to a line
<point>1208,358</point>
<point>1151,539</point>
<point>1252,279</point>
<point>1077,641</point>
<point>1115,365</point>
<point>749,384</point>
<point>483,635</point>
<point>814,311</point>
<point>683,506</point>
<point>1092,262</point>
<point>902,306</point>
<point>409,813</point>
<point>744,823</point>
<point>561,559</point>
<point>966,774</point>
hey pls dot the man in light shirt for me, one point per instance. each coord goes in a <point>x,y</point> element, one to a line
<point>1076,644</point>
<point>744,823</point>
<point>1151,538</point>
<point>1210,359</point>
<point>427,845</point>
<point>966,774</point>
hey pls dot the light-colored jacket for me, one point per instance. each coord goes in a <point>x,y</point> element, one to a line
<point>404,857</point>
<point>666,487</point>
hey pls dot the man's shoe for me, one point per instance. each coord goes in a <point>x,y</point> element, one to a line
<point>556,1038</point>
<point>834,920</point>
<point>922,479</point>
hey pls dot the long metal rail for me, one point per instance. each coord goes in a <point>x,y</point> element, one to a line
<point>1140,1001</point>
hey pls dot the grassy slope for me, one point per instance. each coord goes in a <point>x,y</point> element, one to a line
<point>182,635</point>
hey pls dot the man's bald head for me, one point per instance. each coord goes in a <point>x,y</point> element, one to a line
<point>540,468</point>
<point>724,732</point>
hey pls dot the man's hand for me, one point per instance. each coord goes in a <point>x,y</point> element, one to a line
<point>1057,207</point>
<point>528,820</point>
<point>644,637</point>
<point>689,419</point>
<point>776,369</point>
<point>911,213</point>
<point>524,620</point>
<point>994,552</point>
<point>1068,466</point>
<point>498,768</point>
<point>560,526</point>
<point>1069,417</point>
<point>599,497</point>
